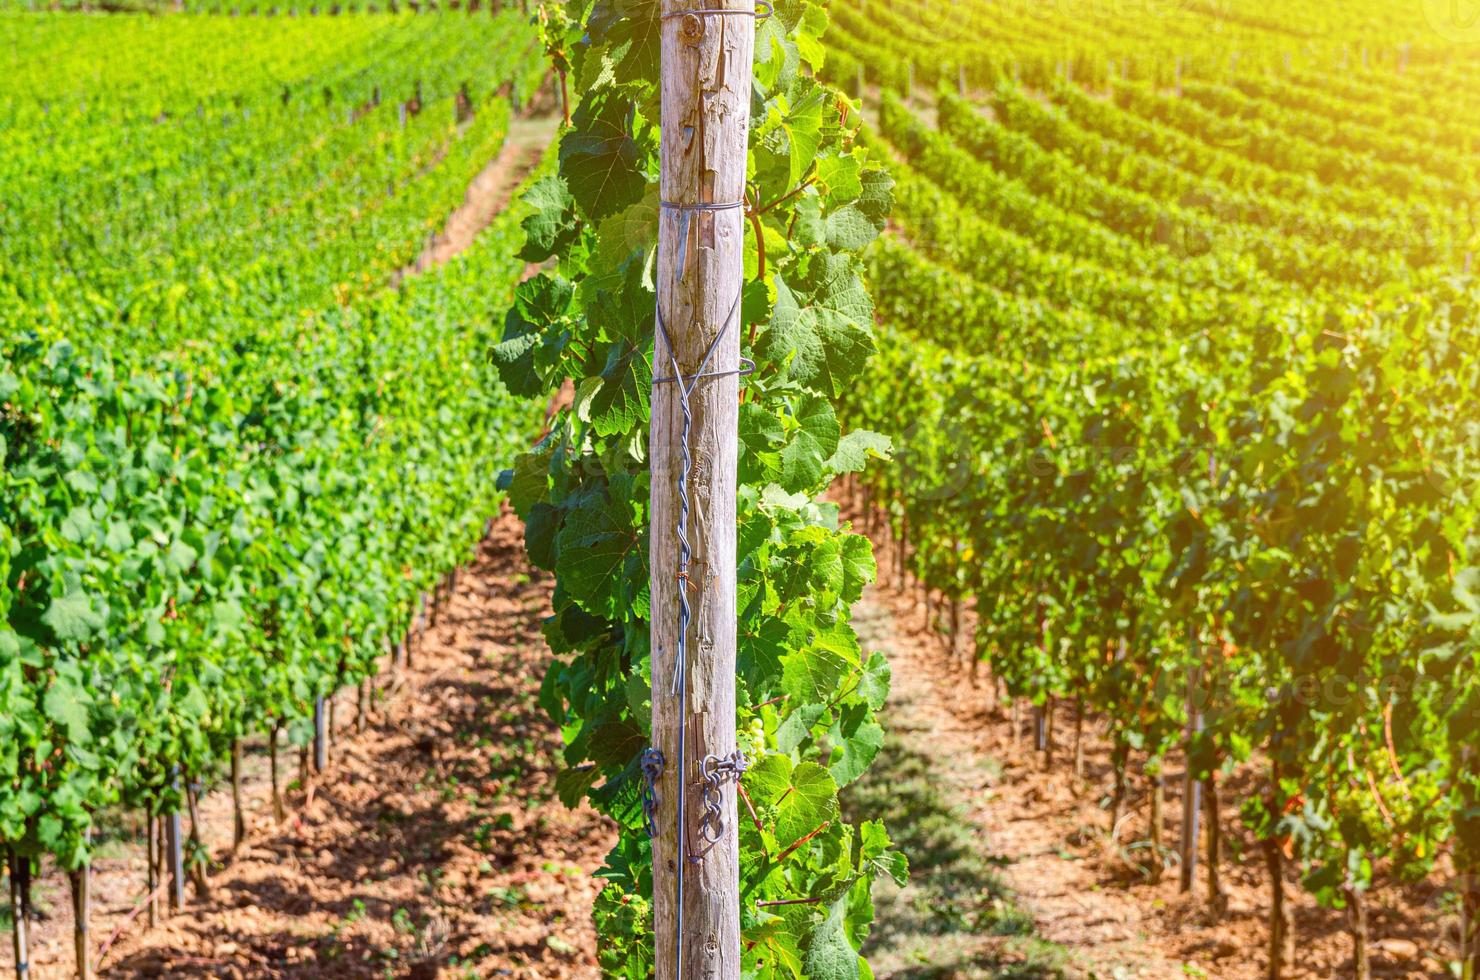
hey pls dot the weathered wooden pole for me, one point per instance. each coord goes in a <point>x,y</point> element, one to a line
<point>1191,787</point>
<point>320,735</point>
<point>278,813</point>
<point>706,92</point>
<point>151,872</point>
<point>238,812</point>
<point>175,851</point>
<point>19,903</point>
<point>81,881</point>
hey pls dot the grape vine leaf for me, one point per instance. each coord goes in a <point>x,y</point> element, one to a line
<point>803,797</point>
<point>828,344</point>
<point>855,450</point>
<point>74,616</point>
<point>829,955</point>
<point>550,224</point>
<point>599,158</point>
<point>815,441</point>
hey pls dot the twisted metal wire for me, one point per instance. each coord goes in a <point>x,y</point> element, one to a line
<point>678,685</point>
<point>721,12</point>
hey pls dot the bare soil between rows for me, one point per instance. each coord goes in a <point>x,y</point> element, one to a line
<point>432,846</point>
<point>1093,911</point>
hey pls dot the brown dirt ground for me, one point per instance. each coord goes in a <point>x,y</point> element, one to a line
<point>433,846</point>
<point>1046,831</point>
<point>529,134</point>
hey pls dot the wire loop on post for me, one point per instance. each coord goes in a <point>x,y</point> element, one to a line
<point>685,211</point>
<point>702,206</point>
<point>746,369</point>
<point>714,769</point>
<point>721,12</point>
<point>652,770</point>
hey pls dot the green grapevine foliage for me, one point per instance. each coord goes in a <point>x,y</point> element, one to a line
<point>1181,384</point>
<point>808,693</point>
<point>232,457</point>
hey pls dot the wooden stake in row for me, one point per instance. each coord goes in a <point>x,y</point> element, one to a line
<point>1191,788</point>
<point>705,92</point>
<point>20,905</point>
<point>81,912</point>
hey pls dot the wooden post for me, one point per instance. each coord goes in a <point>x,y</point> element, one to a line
<point>320,736</point>
<point>151,870</point>
<point>1079,738</point>
<point>198,869</point>
<point>1469,928</point>
<point>1191,788</point>
<point>955,627</point>
<point>1156,781</point>
<point>19,881</point>
<point>421,599</point>
<point>1279,923</point>
<point>278,813</point>
<point>904,550</point>
<point>238,814</point>
<point>81,912</point>
<point>706,92</point>
<point>175,853</point>
<point>1048,734</point>
<point>1216,899</point>
<point>1356,913</point>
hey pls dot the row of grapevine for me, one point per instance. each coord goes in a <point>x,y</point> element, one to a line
<point>982,43</point>
<point>235,465</point>
<point>207,169</point>
<point>1227,502</point>
<point>270,8</point>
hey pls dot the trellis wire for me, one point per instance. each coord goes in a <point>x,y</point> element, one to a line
<point>678,685</point>
<point>722,12</point>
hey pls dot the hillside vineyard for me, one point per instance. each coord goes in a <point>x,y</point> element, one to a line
<point>1179,343</point>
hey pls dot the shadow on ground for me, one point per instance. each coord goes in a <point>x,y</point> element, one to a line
<point>955,918</point>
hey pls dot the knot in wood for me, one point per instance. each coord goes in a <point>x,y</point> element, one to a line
<point>691,29</point>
